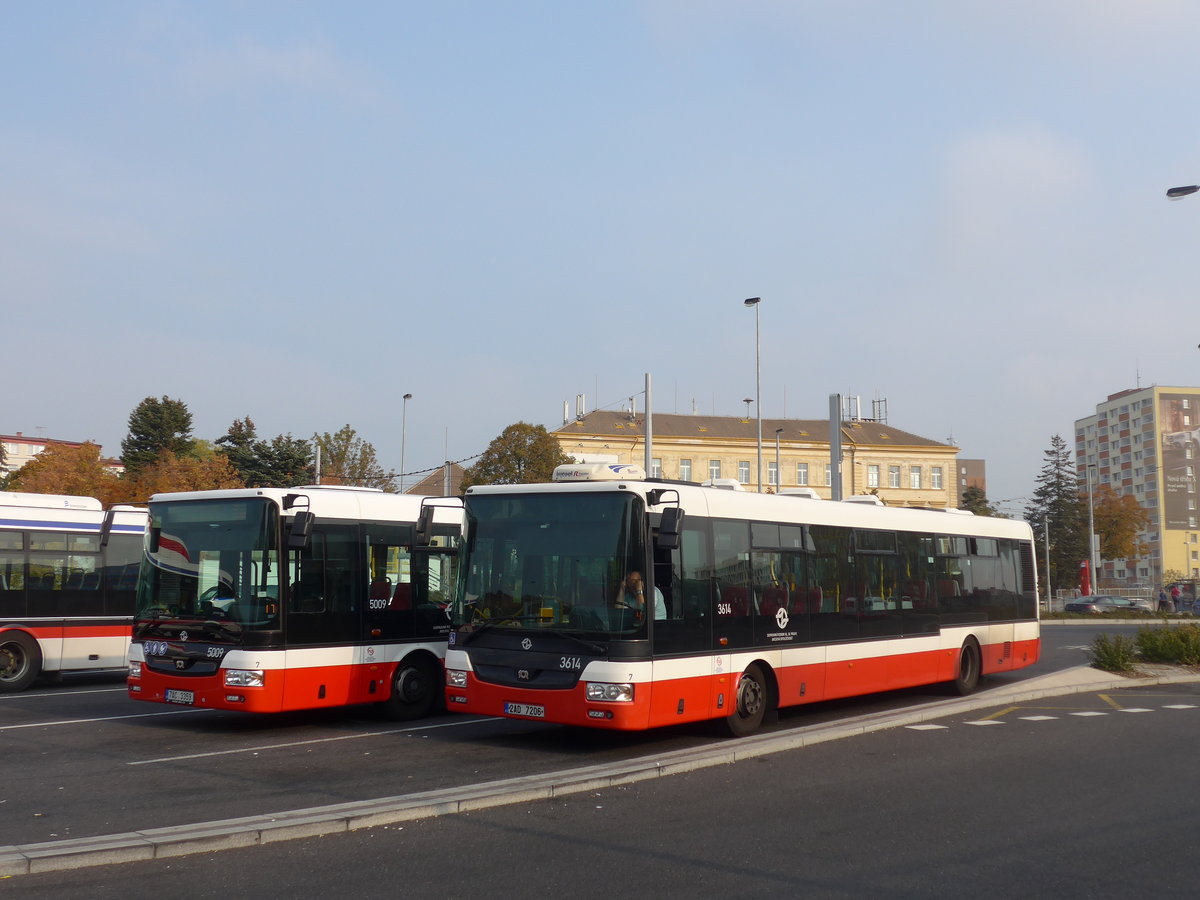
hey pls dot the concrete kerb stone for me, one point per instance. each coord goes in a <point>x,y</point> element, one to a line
<point>336,818</point>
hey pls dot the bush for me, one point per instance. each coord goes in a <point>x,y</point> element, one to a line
<point>1180,645</point>
<point>1113,652</point>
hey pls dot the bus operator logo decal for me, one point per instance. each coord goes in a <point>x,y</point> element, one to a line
<point>781,618</point>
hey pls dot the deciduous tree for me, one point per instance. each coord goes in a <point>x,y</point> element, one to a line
<point>522,454</point>
<point>348,459</point>
<point>65,469</point>
<point>181,473</point>
<point>1119,520</point>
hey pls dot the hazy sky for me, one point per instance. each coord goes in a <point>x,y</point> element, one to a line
<point>300,212</point>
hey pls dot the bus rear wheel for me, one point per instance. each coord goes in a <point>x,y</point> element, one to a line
<point>967,678</point>
<point>416,688</point>
<point>20,661</point>
<point>750,702</point>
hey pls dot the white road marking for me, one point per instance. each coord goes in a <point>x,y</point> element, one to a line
<point>284,746</point>
<point>1090,713</point>
<point>1135,709</point>
<point>174,712</point>
<point>28,696</point>
<point>1180,706</point>
<point>985,722</point>
<point>926,727</point>
<point>1039,718</point>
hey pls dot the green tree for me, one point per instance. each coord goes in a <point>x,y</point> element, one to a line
<point>348,459</point>
<point>522,454</point>
<point>1058,515</point>
<point>283,461</point>
<point>974,499</point>
<point>155,427</point>
<point>1120,521</point>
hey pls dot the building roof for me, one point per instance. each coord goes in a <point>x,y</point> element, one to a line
<point>434,484</point>
<point>609,424</point>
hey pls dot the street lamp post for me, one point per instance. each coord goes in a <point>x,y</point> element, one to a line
<point>403,436</point>
<point>754,301</point>
<point>1092,555</point>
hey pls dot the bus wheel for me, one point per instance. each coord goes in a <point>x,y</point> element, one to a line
<point>750,702</point>
<point>967,678</point>
<point>20,661</point>
<point>415,689</point>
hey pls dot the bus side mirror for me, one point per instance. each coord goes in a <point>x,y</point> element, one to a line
<point>424,527</point>
<point>301,529</point>
<point>668,528</point>
<point>106,527</point>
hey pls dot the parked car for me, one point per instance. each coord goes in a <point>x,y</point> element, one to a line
<point>1102,603</point>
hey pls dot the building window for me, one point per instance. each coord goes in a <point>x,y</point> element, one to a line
<point>714,468</point>
<point>773,474</point>
<point>744,472</point>
<point>829,473</point>
<point>801,473</point>
<point>893,476</point>
<point>873,476</point>
<point>656,468</point>
<point>685,470</point>
<point>935,478</point>
<point>914,478</point>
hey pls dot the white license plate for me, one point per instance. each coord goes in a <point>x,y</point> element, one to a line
<point>174,696</point>
<point>525,709</point>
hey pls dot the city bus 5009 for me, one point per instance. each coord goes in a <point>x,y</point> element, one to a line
<point>613,600</point>
<point>268,600</point>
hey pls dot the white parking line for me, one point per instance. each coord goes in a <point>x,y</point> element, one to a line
<point>174,712</point>
<point>28,696</point>
<point>328,740</point>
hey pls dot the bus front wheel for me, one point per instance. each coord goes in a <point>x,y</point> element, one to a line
<point>416,687</point>
<point>969,666</point>
<point>20,661</point>
<point>750,702</point>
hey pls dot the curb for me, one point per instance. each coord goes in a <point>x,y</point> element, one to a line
<point>248,831</point>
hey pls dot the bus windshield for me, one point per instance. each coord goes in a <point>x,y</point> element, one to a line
<point>552,561</point>
<point>214,560</point>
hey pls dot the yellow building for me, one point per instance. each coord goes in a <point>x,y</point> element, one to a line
<point>901,468</point>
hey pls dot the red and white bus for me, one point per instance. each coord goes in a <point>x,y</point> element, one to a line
<point>751,602</point>
<point>273,599</point>
<point>67,574</point>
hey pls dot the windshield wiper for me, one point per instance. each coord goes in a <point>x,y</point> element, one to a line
<point>591,645</point>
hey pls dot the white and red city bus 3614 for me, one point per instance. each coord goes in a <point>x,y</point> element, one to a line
<point>749,602</point>
<point>67,574</point>
<point>273,599</point>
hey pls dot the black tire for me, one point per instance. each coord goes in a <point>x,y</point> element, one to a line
<point>750,700</point>
<point>969,667</point>
<point>416,689</point>
<point>20,661</point>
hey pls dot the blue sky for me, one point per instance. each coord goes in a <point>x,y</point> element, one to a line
<point>301,211</point>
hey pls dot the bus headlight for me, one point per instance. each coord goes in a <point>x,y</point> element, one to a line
<point>610,693</point>
<point>243,678</point>
<point>456,678</point>
<point>135,669</point>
